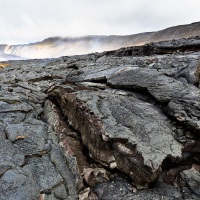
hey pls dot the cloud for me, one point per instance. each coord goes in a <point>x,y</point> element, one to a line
<point>24,21</point>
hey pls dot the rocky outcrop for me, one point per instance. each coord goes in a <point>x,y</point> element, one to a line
<point>122,124</point>
<point>120,131</point>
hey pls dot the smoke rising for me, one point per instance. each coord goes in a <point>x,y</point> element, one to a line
<point>56,46</point>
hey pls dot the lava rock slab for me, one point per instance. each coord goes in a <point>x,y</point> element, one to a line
<point>121,131</point>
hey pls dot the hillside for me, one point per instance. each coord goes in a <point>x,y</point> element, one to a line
<point>56,46</point>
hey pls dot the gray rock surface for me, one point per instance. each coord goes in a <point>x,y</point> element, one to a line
<point>18,184</point>
<point>182,99</point>
<point>118,125</point>
<point>114,129</point>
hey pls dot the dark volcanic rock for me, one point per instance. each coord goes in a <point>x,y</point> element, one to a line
<point>30,136</point>
<point>118,125</point>
<point>10,155</point>
<point>121,129</point>
<point>182,99</point>
<point>18,184</point>
<point>121,189</point>
<point>191,178</point>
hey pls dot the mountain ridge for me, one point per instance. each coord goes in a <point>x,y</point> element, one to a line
<point>58,46</point>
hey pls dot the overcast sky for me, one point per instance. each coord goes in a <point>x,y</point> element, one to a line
<point>24,21</point>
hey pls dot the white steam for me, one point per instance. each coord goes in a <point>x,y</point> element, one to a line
<point>58,49</point>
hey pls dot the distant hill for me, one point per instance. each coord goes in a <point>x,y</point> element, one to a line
<point>57,46</point>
